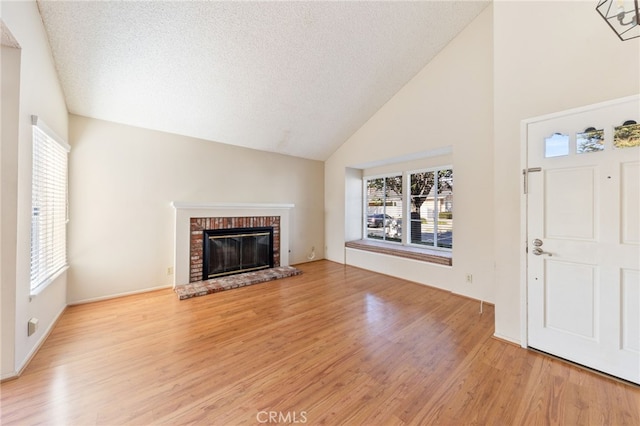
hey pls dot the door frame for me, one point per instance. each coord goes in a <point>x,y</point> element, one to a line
<point>524,220</point>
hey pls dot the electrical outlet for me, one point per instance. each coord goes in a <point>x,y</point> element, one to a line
<point>170,270</point>
<point>32,326</point>
<point>469,278</point>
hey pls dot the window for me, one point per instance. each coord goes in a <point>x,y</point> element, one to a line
<point>424,198</point>
<point>384,208</point>
<point>432,208</point>
<point>48,206</point>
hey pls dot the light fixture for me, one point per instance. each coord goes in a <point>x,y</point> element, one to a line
<point>622,16</point>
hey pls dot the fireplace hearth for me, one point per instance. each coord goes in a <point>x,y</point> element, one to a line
<point>236,250</point>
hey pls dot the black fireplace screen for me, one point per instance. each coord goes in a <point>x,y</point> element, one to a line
<point>232,251</point>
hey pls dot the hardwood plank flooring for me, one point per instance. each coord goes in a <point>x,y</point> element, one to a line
<point>335,345</point>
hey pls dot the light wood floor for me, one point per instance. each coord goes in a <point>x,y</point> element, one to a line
<point>335,345</point>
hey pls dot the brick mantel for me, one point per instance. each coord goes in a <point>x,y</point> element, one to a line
<point>185,212</point>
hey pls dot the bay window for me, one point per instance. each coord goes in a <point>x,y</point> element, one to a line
<point>413,208</point>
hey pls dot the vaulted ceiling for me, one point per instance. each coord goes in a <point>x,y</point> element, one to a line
<point>297,78</point>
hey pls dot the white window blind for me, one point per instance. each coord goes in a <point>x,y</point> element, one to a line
<point>49,206</point>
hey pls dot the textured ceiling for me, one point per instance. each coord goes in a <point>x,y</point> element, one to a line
<point>296,78</point>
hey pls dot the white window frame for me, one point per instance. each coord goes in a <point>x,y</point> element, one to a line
<point>49,206</point>
<point>365,204</point>
<point>405,235</point>
<point>406,212</point>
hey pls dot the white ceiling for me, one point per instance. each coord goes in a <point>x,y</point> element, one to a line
<point>296,78</point>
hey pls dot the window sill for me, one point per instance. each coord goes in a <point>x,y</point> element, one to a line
<point>36,291</point>
<point>415,253</point>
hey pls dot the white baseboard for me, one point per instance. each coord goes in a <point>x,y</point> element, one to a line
<point>9,376</point>
<point>114,296</point>
<point>507,339</point>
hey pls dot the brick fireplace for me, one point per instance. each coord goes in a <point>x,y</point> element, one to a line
<point>198,226</point>
<point>192,219</point>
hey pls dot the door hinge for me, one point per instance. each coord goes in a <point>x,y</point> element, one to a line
<point>525,177</point>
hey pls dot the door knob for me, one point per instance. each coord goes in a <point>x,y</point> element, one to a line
<point>538,251</point>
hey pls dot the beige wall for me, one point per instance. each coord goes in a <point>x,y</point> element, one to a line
<point>123,180</point>
<point>563,55</point>
<point>443,115</point>
<point>10,73</point>
<point>39,94</point>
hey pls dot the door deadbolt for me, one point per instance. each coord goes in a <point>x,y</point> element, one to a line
<point>537,242</point>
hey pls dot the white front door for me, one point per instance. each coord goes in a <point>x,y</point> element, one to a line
<point>583,237</point>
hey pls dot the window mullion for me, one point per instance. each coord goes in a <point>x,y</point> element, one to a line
<point>436,213</point>
<point>406,202</point>
<point>384,210</point>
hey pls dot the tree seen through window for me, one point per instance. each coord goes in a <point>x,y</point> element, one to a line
<point>429,197</point>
